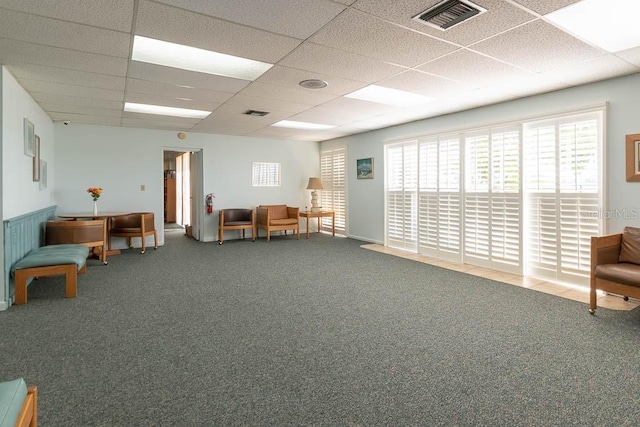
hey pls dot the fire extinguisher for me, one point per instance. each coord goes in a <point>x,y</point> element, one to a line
<point>209,202</point>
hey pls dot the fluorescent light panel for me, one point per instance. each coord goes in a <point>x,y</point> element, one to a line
<point>165,111</point>
<point>190,58</point>
<point>300,125</point>
<point>388,96</point>
<point>611,25</point>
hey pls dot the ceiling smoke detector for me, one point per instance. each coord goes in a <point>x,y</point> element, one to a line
<point>313,84</point>
<point>449,13</point>
<point>256,113</point>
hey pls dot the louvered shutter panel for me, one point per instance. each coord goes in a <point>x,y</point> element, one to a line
<point>401,184</point>
<point>476,199</point>
<point>333,171</point>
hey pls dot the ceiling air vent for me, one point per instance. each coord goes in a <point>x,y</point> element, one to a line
<point>256,113</point>
<point>448,13</point>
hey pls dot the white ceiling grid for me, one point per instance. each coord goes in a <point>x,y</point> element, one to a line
<point>73,57</point>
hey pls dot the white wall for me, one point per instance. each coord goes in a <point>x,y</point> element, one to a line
<point>20,194</point>
<point>365,215</point>
<point>120,160</point>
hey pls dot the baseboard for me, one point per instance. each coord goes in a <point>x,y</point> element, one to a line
<point>3,305</point>
<point>365,239</point>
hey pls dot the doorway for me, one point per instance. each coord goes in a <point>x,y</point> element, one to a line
<point>182,169</point>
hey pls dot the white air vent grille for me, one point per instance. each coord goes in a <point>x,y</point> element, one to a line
<point>448,13</point>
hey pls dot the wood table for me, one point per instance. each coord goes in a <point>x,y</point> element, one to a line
<point>101,215</point>
<point>329,214</point>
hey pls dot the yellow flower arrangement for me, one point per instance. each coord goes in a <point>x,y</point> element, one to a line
<point>95,192</point>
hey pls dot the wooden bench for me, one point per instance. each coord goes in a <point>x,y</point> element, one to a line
<point>52,260</point>
<point>18,404</point>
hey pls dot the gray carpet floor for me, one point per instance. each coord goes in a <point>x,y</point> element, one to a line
<point>313,332</point>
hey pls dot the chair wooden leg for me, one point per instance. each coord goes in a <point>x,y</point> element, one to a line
<point>155,239</point>
<point>143,239</point>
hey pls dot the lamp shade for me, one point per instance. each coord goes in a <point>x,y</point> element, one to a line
<point>315,184</point>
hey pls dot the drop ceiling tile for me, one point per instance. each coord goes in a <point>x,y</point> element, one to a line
<point>291,77</point>
<point>18,51</point>
<point>602,68</point>
<point>280,133</point>
<point>545,6</point>
<point>74,101</point>
<point>336,62</point>
<point>224,128</point>
<point>175,76</point>
<point>326,116</point>
<point>75,109</point>
<point>110,14</point>
<point>266,104</point>
<point>424,84</point>
<point>294,18</point>
<point>51,32</point>
<point>165,124</point>
<point>180,26</point>
<point>471,68</point>
<point>355,108</point>
<point>299,95</point>
<point>61,75</point>
<point>71,90</point>
<point>144,98</point>
<point>175,91</point>
<point>552,47</point>
<point>366,35</point>
<point>234,114</point>
<point>500,16</point>
<point>630,55</point>
<point>86,119</point>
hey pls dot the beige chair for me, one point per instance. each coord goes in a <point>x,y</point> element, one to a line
<point>278,218</point>
<point>236,219</point>
<point>137,224</point>
<point>89,233</point>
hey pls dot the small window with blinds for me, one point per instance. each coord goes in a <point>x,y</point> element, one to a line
<point>266,174</point>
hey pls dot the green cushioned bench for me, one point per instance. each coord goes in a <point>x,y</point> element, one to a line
<point>18,404</point>
<point>69,259</point>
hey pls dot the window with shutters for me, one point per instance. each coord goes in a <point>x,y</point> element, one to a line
<point>333,172</point>
<point>522,198</point>
<point>562,169</point>
<point>266,174</point>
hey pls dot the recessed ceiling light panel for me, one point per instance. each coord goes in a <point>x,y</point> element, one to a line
<point>300,125</point>
<point>388,96</point>
<point>613,26</point>
<point>190,58</point>
<point>165,111</point>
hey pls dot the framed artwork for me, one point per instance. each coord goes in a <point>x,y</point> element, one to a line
<point>29,138</point>
<point>36,159</point>
<point>365,168</point>
<point>633,157</point>
<point>43,175</point>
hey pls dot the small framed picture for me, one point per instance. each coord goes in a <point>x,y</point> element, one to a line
<point>36,159</point>
<point>29,138</point>
<point>365,168</point>
<point>633,157</point>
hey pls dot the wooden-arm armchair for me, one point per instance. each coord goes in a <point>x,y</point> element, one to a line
<point>89,233</point>
<point>236,219</point>
<point>137,224</point>
<point>278,218</point>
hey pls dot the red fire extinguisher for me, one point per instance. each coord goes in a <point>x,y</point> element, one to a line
<point>209,202</point>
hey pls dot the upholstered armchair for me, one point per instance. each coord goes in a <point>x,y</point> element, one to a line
<point>277,218</point>
<point>89,233</point>
<point>137,224</point>
<point>236,219</point>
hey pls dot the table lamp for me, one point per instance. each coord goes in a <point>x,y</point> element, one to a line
<point>314,184</point>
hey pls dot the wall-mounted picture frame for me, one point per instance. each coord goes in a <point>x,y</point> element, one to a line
<point>633,157</point>
<point>29,138</point>
<point>364,168</point>
<point>43,175</point>
<point>36,159</point>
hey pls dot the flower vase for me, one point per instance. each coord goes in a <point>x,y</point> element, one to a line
<point>95,207</point>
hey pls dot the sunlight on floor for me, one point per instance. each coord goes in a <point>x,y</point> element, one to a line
<point>576,293</point>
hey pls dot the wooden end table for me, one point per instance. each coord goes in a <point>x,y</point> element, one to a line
<point>328,214</point>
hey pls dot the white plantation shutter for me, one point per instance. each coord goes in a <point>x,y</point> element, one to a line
<point>333,172</point>
<point>476,199</point>
<point>401,185</point>
<point>562,169</point>
<point>439,214</point>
